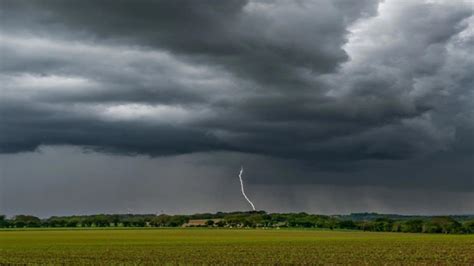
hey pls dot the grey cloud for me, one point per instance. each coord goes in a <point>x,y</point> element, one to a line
<point>66,181</point>
<point>330,84</point>
<point>248,37</point>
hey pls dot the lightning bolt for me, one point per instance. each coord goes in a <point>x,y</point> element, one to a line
<point>242,187</point>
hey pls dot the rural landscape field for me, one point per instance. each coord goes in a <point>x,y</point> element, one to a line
<point>236,132</point>
<point>224,246</point>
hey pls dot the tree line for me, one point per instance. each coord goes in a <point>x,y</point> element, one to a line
<point>257,219</point>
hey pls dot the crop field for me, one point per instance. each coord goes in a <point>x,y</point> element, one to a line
<point>244,246</point>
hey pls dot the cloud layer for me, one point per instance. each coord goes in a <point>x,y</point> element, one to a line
<point>335,86</point>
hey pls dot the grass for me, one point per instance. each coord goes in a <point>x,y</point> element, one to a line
<point>231,246</point>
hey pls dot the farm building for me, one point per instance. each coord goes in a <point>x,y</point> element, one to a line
<point>200,222</point>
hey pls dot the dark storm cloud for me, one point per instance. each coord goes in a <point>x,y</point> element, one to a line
<point>258,33</point>
<point>331,84</point>
<point>85,183</point>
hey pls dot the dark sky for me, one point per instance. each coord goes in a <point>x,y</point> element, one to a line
<point>152,106</point>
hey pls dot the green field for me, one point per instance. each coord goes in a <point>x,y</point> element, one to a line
<point>210,246</point>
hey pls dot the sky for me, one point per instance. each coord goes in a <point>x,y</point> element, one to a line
<point>152,106</point>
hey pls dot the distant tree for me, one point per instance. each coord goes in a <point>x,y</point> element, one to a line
<point>234,220</point>
<point>382,224</point>
<point>346,224</point>
<point>413,226</point>
<point>177,220</point>
<point>126,222</point>
<point>115,220</point>
<point>278,218</point>
<point>366,225</point>
<point>55,221</point>
<point>397,226</point>
<point>254,220</point>
<point>138,221</point>
<point>266,220</point>
<point>364,221</point>
<point>20,221</point>
<point>3,221</point>
<point>468,227</point>
<point>87,221</point>
<point>221,223</point>
<point>72,222</point>
<point>100,220</point>
<point>442,224</point>
<point>160,220</point>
